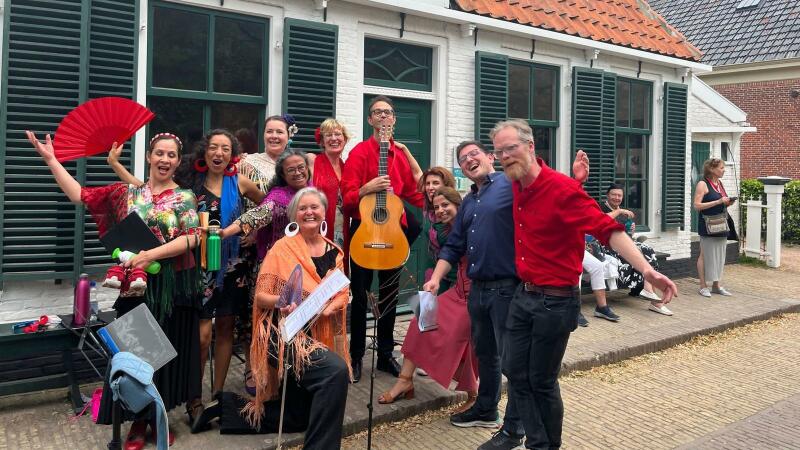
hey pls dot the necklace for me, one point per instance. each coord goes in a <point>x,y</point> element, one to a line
<point>716,186</point>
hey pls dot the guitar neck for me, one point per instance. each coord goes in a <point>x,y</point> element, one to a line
<point>383,170</point>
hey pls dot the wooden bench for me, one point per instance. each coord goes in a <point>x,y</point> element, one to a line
<point>53,346</point>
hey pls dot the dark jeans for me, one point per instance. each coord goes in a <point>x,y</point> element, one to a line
<point>488,309</point>
<point>314,403</point>
<point>388,287</point>
<point>538,331</point>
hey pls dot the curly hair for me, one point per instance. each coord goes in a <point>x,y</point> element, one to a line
<point>186,176</point>
<point>280,178</point>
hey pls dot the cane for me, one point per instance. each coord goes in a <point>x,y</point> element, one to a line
<point>283,403</point>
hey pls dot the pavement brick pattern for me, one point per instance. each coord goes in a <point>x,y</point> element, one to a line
<point>42,420</point>
<point>741,391</point>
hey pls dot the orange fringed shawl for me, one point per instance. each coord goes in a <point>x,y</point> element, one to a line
<point>328,332</point>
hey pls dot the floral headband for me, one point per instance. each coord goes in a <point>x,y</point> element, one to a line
<point>167,136</point>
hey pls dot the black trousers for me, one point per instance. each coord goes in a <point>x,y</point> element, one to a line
<point>315,404</point>
<point>538,331</point>
<point>388,287</point>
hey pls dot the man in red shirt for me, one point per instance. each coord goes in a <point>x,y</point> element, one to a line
<point>552,213</point>
<point>359,178</point>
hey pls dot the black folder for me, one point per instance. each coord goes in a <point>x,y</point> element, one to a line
<point>132,234</point>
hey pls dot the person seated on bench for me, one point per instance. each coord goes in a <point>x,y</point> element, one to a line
<point>319,372</point>
<point>628,277</point>
<point>596,268</point>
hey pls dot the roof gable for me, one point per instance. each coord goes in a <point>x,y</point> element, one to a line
<point>629,23</point>
<point>766,31</point>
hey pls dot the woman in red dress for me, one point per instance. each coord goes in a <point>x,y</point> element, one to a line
<point>445,353</point>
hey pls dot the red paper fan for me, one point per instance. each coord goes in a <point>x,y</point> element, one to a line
<point>94,126</point>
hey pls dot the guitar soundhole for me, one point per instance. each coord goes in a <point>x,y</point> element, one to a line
<point>380,215</point>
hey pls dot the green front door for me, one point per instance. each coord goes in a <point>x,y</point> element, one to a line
<point>413,128</point>
<point>700,152</point>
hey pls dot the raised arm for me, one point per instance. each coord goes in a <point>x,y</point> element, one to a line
<point>69,185</point>
<point>118,168</point>
<point>251,190</point>
<point>416,170</point>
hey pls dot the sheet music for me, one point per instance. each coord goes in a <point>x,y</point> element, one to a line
<point>314,304</point>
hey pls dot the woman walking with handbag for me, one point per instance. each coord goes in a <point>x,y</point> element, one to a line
<point>714,226</point>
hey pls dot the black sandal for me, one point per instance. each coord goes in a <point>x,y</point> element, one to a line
<point>203,420</point>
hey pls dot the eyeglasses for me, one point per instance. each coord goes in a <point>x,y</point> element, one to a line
<point>471,154</point>
<point>498,152</point>
<point>296,169</point>
<point>382,112</point>
<point>335,134</point>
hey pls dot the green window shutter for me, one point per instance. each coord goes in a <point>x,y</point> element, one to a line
<point>57,54</point>
<point>605,166</point>
<point>674,163</point>
<point>112,72</point>
<point>491,93</point>
<point>309,90</point>
<point>588,123</point>
<point>43,68</point>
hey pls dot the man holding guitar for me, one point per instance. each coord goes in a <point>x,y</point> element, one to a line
<point>377,172</point>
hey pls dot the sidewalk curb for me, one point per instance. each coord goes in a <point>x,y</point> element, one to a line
<point>584,363</point>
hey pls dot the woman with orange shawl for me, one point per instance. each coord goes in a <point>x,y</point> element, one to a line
<point>318,357</point>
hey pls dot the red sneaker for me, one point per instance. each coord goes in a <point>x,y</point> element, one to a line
<point>114,277</point>
<point>138,281</point>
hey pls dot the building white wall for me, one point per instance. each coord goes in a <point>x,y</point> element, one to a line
<point>452,98</point>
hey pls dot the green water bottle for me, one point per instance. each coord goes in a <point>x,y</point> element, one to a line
<point>213,248</point>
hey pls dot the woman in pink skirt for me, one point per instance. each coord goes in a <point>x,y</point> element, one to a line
<point>445,353</point>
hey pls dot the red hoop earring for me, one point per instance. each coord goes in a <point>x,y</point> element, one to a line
<point>200,165</point>
<point>231,169</point>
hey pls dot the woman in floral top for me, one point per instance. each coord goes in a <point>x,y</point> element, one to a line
<point>172,294</point>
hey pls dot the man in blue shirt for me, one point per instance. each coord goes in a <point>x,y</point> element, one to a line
<point>483,230</point>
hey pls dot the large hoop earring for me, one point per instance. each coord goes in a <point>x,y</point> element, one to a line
<point>288,231</point>
<point>323,228</point>
<point>200,165</point>
<point>231,169</point>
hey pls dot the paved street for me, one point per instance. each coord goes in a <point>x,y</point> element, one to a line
<point>740,390</point>
<point>707,395</point>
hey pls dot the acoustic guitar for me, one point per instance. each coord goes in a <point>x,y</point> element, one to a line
<point>379,242</point>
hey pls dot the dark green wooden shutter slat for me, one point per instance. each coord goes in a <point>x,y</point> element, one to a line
<point>588,124</point>
<point>606,164</point>
<point>491,93</point>
<point>674,163</point>
<point>309,90</point>
<point>47,74</point>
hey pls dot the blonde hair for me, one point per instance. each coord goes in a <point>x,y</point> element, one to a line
<point>524,131</point>
<point>709,165</point>
<point>329,125</point>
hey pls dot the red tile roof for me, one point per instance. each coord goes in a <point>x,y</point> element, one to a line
<point>629,23</point>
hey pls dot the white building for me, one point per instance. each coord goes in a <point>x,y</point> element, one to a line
<point>613,80</point>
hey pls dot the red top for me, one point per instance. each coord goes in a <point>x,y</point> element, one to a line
<point>362,166</point>
<point>551,217</point>
<point>325,180</point>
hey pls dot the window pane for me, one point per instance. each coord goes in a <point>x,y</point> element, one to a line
<point>397,62</point>
<point>180,49</point>
<point>621,156</point>
<point>544,94</point>
<point>519,91</point>
<point>623,103</point>
<point>640,105</point>
<point>243,120</point>
<point>725,149</point>
<point>543,143</point>
<point>183,118</point>
<point>636,156</point>
<point>635,200</point>
<point>238,56</point>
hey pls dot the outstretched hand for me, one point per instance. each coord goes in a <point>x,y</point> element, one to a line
<point>114,154</point>
<point>46,150</point>
<point>580,167</point>
<point>662,283</point>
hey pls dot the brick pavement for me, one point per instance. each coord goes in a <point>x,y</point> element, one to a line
<point>27,421</point>
<point>741,391</point>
